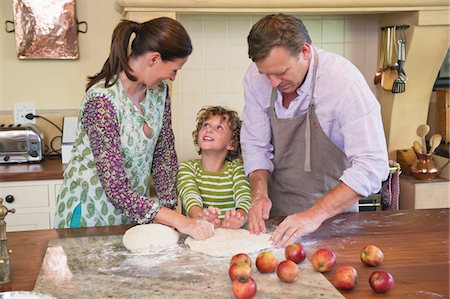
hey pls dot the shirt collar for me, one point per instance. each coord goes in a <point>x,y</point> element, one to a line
<point>307,84</point>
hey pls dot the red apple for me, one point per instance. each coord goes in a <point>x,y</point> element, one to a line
<point>371,255</point>
<point>244,287</point>
<point>381,281</point>
<point>345,278</point>
<point>239,270</point>
<point>287,271</point>
<point>266,262</point>
<point>295,252</point>
<point>241,258</point>
<point>323,260</point>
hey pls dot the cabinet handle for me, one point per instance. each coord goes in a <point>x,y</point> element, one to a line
<point>9,198</point>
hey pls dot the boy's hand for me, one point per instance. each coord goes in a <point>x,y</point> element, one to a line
<point>211,214</point>
<point>233,219</point>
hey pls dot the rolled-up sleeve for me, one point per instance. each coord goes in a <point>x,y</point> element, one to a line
<point>364,140</point>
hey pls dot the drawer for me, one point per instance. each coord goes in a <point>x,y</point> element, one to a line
<point>27,221</point>
<point>26,196</point>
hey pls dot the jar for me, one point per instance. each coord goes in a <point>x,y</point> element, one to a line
<point>424,168</point>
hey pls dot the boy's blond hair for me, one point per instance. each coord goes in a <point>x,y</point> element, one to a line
<point>233,121</point>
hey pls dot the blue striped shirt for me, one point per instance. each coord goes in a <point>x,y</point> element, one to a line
<point>347,110</point>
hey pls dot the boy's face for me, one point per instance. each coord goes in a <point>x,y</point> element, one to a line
<point>215,135</point>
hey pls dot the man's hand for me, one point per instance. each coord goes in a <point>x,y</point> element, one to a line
<point>259,212</point>
<point>293,227</point>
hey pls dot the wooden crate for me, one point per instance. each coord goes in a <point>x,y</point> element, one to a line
<point>443,113</point>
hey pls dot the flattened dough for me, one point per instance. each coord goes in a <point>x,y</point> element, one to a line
<point>149,237</point>
<point>228,242</point>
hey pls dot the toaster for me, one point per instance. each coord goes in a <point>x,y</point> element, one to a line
<point>21,143</point>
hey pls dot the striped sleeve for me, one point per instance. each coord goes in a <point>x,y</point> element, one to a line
<point>189,193</point>
<point>241,187</point>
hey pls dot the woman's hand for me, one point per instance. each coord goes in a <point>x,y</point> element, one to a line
<point>196,228</point>
<point>233,219</point>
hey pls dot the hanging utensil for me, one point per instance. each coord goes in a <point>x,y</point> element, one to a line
<point>399,84</point>
<point>422,131</point>
<point>382,58</point>
<point>435,141</point>
<point>390,73</point>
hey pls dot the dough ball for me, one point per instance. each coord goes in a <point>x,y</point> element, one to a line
<point>149,237</point>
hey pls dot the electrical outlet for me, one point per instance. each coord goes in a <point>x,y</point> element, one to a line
<point>20,110</point>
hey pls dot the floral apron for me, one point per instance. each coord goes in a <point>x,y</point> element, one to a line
<point>81,185</point>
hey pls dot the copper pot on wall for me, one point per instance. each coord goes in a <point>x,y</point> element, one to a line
<point>424,168</point>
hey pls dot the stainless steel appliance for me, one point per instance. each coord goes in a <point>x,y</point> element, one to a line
<point>21,143</point>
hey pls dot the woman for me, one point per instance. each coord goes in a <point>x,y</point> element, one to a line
<point>125,135</point>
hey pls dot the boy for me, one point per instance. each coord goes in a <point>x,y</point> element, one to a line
<point>214,187</point>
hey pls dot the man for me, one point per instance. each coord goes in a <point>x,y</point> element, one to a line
<point>312,136</point>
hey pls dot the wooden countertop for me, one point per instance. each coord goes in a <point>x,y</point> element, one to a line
<point>415,244</point>
<point>47,169</point>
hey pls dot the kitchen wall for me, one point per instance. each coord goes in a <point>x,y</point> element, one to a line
<point>55,84</point>
<point>213,74</point>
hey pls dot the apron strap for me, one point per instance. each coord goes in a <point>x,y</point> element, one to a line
<point>308,117</point>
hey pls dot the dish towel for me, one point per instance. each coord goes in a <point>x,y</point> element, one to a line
<point>390,189</point>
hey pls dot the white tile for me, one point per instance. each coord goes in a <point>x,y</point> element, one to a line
<point>194,26</point>
<point>332,31</point>
<point>216,56</point>
<point>239,28</point>
<point>193,81</point>
<point>218,99</point>
<point>235,77</point>
<point>238,56</point>
<point>314,28</point>
<point>216,80</point>
<point>215,29</point>
<point>196,59</point>
<point>337,48</point>
<point>192,103</point>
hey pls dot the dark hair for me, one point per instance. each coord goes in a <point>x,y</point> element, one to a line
<point>276,30</point>
<point>233,121</point>
<point>164,35</point>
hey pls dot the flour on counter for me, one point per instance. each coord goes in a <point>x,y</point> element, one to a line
<point>227,242</point>
<point>149,237</point>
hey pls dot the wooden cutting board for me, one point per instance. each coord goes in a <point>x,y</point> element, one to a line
<point>101,267</point>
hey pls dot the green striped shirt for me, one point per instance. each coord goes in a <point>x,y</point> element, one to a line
<point>226,190</point>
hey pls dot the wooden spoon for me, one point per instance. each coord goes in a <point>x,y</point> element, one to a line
<point>435,141</point>
<point>417,147</point>
<point>422,131</point>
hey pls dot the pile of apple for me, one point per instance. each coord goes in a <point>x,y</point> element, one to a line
<point>345,277</point>
<point>323,260</point>
<point>244,286</point>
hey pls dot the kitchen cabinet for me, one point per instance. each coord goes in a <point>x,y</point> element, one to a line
<point>34,202</point>
<point>416,194</point>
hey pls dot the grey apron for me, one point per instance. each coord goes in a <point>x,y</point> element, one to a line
<point>306,163</point>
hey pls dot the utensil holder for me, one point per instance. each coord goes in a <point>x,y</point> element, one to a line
<point>424,168</point>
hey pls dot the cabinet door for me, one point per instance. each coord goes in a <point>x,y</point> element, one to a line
<point>34,202</point>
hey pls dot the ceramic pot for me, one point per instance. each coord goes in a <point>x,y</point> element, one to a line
<point>424,168</point>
